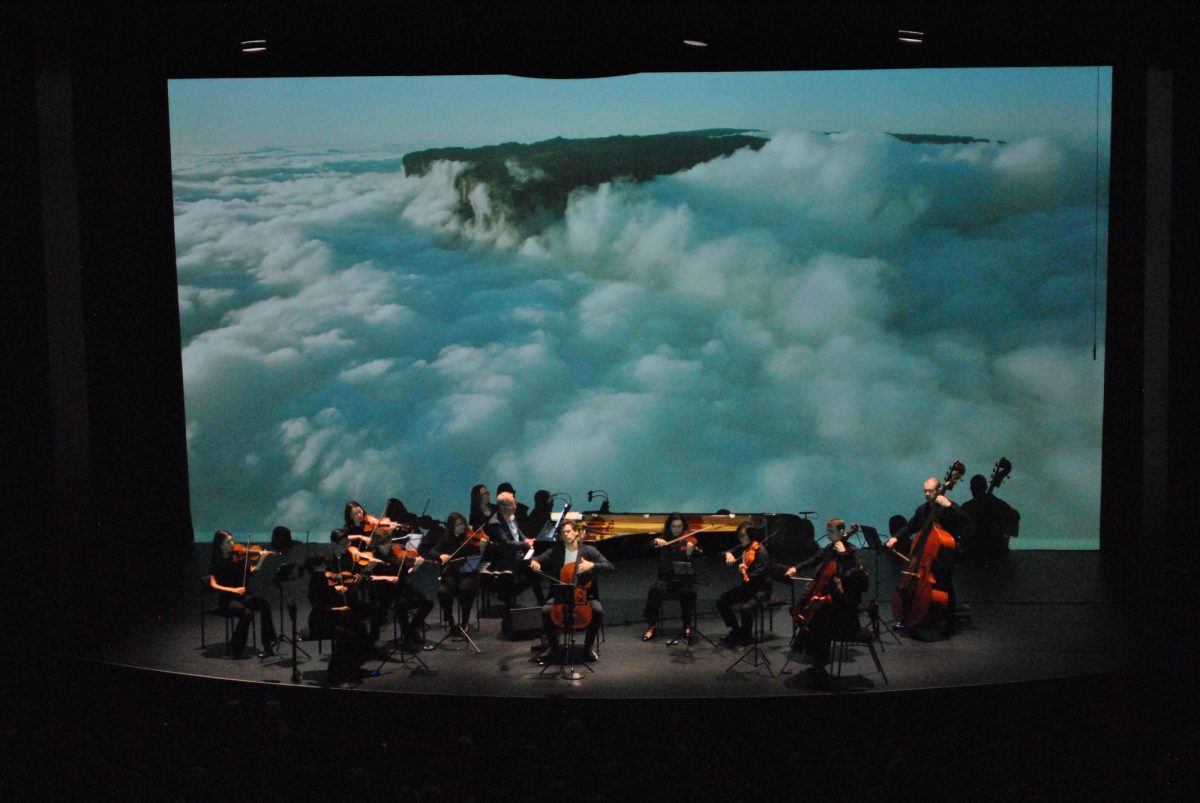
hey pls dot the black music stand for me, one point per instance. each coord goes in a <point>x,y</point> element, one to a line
<point>685,570</point>
<point>398,646</point>
<point>564,594</point>
<point>470,566</point>
<point>875,544</point>
<point>285,573</point>
<point>756,655</point>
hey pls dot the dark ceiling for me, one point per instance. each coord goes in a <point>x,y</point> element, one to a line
<point>336,37</point>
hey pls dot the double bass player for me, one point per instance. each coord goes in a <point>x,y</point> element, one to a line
<point>939,510</point>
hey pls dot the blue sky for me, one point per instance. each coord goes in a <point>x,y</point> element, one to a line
<point>422,111</point>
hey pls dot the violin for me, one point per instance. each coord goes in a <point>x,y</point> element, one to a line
<point>241,551</point>
<point>475,537</point>
<point>683,542</point>
<point>932,554</point>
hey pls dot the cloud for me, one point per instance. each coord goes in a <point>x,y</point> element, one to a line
<point>816,325</point>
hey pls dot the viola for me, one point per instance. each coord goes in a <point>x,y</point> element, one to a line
<point>916,596</point>
<point>748,560</point>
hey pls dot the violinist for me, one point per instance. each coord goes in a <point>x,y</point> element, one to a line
<point>587,562</point>
<point>410,523</point>
<point>507,549</point>
<point>337,612</point>
<point>673,547</point>
<point>951,518</point>
<point>230,566</point>
<point>459,553</point>
<point>481,507</point>
<point>355,519</point>
<point>833,609</point>
<point>738,604</point>
<point>388,567</point>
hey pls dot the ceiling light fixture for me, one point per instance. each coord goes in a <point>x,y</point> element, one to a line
<point>911,37</point>
<point>254,45</point>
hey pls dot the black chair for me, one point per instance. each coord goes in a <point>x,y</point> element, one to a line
<point>839,647</point>
<point>205,612</point>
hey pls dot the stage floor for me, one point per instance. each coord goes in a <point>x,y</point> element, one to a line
<point>1033,616</point>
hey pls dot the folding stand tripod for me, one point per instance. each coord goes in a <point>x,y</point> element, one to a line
<point>399,645</point>
<point>283,574</point>
<point>756,655</point>
<point>564,594</point>
<point>470,568</point>
<point>684,569</point>
<point>457,630</point>
<point>871,536</point>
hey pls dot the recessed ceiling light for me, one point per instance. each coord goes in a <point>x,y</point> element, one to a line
<point>911,37</point>
<point>254,45</point>
<point>695,43</point>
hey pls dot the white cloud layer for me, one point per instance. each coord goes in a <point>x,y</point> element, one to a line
<point>818,325</point>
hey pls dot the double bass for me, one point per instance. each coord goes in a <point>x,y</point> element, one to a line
<point>932,552</point>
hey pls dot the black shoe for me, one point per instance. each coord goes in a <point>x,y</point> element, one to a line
<point>730,638</point>
<point>649,634</point>
<point>590,655</point>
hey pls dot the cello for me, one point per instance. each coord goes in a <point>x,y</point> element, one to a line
<point>932,554</point>
<point>820,591</point>
<point>581,609</point>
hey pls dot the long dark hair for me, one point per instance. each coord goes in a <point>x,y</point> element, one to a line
<point>215,557</point>
<point>667,535</point>
<point>476,506</point>
<point>346,513</point>
<point>453,519</point>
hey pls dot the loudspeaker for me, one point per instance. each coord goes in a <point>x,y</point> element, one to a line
<point>526,622</point>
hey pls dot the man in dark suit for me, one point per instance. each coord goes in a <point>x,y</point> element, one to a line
<point>508,545</point>
<point>588,563</point>
<point>951,518</point>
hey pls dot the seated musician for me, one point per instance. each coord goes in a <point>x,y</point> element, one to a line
<point>481,507</point>
<point>588,563</point>
<point>228,573</point>
<point>948,515</point>
<point>459,556</point>
<point>410,523</point>
<point>337,611</point>
<point>507,548</point>
<point>832,610</point>
<point>355,519</point>
<point>738,604</point>
<point>670,583</point>
<point>391,589</point>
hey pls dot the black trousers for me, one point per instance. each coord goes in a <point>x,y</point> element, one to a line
<point>243,609</point>
<point>737,606</point>
<point>666,588</point>
<point>551,630</point>
<point>462,588</point>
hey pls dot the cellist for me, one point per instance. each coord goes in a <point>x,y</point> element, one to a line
<point>832,609</point>
<point>951,518</point>
<point>588,562</point>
